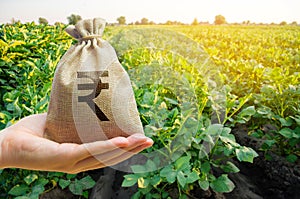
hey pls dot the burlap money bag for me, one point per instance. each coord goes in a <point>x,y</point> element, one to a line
<point>91,97</point>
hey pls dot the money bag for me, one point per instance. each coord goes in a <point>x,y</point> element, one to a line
<point>92,97</point>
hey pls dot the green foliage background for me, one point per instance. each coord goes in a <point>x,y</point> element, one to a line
<point>258,68</point>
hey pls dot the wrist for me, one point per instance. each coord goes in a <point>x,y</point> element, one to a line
<point>2,136</point>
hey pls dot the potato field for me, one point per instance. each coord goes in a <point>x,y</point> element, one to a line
<point>216,100</point>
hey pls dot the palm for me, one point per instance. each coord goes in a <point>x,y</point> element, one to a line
<point>23,146</point>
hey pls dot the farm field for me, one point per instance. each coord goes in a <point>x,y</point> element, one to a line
<point>217,101</point>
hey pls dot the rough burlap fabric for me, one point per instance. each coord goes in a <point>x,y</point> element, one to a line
<point>92,97</point>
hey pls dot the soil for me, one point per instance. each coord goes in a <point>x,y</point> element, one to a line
<point>276,178</point>
<point>264,179</point>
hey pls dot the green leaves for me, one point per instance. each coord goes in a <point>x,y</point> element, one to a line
<point>18,190</point>
<point>181,178</point>
<point>229,167</point>
<point>130,180</point>
<point>204,184</point>
<point>181,171</point>
<point>292,158</point>
<point>222,184</point>
<point>77,187</point>
<point>245,154</point>
<point>35,183</point>
<point>169,173</point>
<point>28,59</point>
<point>30,188</point>
<point>246,114</point>
<point>192,177</point>
<point>182,163</point>
<point>149,166</point>
<point>30,178</point>
<point>288,133</point>
<point>205,167</point>
<point>64,183</point>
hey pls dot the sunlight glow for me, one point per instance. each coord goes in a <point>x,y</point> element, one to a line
<point>155,10</point>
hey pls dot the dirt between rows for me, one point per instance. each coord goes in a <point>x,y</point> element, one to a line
<point>264,179</point>
<point>276,178</point>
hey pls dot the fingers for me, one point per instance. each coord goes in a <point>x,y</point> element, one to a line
<point>113,154</point>
<point>137,144</point>
<point>100,147</point>
<point>109,149</point>
<point>145,145</point>
<point>127,154</point>
<point>147,142</point>
<point>108,159</point>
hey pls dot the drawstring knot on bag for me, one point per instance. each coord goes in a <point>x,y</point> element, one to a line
<point>90,37</point>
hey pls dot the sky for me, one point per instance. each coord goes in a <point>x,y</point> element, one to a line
<point>159,11</point>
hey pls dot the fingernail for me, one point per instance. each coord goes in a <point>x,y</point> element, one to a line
<point>149,140</point>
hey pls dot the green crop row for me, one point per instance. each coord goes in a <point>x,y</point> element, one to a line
<point>181,103</point>
<point>28,57</point>
<point>29,54</point>
<point>259,70</point>
<point>263,62</point>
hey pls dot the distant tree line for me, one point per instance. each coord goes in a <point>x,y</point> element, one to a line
<point>219,20</point>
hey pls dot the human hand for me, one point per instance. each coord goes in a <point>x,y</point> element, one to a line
<point>22,146</point>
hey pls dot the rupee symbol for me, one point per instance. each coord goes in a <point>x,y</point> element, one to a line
<point>96,88</point>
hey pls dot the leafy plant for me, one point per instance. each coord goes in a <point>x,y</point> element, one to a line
<point>188,146</point>
<point>282,138</point>
<point>196,165</point>
<point>29,54</point>
<point>77,187</point>
<point>261,65</point>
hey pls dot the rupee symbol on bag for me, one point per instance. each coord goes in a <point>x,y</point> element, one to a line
<point>96,88</point>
